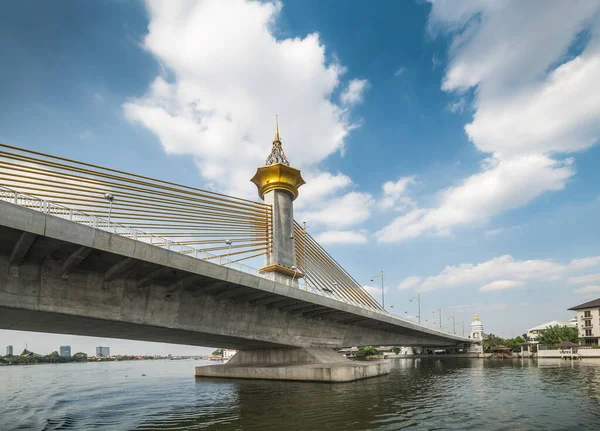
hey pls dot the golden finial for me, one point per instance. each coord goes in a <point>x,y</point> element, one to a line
<point>277,155</point>
<point>476,318</point>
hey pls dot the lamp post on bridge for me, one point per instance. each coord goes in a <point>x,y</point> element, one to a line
<point>418,298</point>
<point>453,324</point>
<point>229,243</point>
<point>382,295</point>
<point>462,322</point>
<point>110,198</point>
<point>439,311</point>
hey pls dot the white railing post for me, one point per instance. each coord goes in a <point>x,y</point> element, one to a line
<point>16,198</point>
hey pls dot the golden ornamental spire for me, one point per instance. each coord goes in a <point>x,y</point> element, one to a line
<point>277,174</point>
<point>476,318</point>
<point>277,155</point>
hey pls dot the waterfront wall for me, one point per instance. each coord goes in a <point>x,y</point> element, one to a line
<point>584,353</point>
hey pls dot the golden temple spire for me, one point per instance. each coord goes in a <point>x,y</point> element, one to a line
<point>277,155</point>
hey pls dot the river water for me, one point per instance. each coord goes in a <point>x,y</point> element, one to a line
<point>432,393</point>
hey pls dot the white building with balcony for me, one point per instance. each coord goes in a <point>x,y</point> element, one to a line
<point>588,322</point>
<point>534,333</point>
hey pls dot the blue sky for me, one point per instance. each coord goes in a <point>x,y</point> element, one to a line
<point>452,145</point>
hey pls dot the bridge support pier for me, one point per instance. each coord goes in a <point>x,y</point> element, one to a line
<point>301,364</point>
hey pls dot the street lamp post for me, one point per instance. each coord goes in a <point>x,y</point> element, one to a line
<point>110,198</point>
<point>382,295</point>
<point>453,324</point>
<point>418,298</point>
<point>462,322</point>
<point>228,242</point>
<point>439,310</point>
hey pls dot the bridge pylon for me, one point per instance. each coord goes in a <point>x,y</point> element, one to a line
<point>278,184</point>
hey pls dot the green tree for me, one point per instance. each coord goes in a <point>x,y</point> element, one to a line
<point>557,334</point>
<point>364,351</point>
<point>514,343</point>
<point>396,350</point>
<point>490,341</point>
<point>218,352</point>
<point>80,357</point>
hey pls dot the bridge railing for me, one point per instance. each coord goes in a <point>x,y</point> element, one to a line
<point>76,216</point>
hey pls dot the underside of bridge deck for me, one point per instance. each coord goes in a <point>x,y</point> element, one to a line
<point>60,277</point>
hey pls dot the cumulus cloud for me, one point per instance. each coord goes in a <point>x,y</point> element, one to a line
<point>586,262</point>
<point>589,278</point>
<point>221,90</point>
<point>457,107</point>
<point>501,285</point>
<point>396,192</point>
<point>479,307</point>
<point>353,93</point>
<point>534,101</point>
<point>503,184</point>
<point>588,290</point>
<point>499,273</point>
<point>320,185</point>
<point>409,282</point>
<point>349,210</point>
<point>342,237</point>
<point>399,71</point>
<point>375,291</point>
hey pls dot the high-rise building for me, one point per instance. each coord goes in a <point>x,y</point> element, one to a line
<point>65,351</point>
<point>103,352</point>
<point>9,350</point>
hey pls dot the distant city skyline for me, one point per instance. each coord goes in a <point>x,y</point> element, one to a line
<point>38,342</point>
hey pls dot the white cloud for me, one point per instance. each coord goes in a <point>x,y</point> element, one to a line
<point>353,93</point>
<point>399,71</point>
<point>586,262</point>
<point>504,184</point>
<point>409,282</point>
<point>342,237</point>
<point>458,106</point>
<point>587,290</point>
<point>320,185</point>
<point>226,87</point>
<point>375,291</point>
<point>499,273</point>
<point>479,307</point>
<point>532,103</point>
<point>349,210</point>
<point>396,192</point>
<point>495,232</point>
<point>501,285</point>
<point>590,278</point>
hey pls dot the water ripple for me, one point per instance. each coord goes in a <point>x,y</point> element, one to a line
<point>418,394</point>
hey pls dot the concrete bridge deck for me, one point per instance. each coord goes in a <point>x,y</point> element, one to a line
<point>59,276</point>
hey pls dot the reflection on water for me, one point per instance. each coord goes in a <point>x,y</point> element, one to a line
<point>419,394</point>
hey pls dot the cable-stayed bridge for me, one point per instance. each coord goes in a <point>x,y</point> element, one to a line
<point>95,251</point>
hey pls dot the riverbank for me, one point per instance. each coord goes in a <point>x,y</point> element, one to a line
<point>447,355</point>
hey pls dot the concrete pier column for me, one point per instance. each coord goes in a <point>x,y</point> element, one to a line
<point>301,364</point>
<point>278,184</point>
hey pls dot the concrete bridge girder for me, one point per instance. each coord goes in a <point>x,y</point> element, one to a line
<point>122,289</point>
